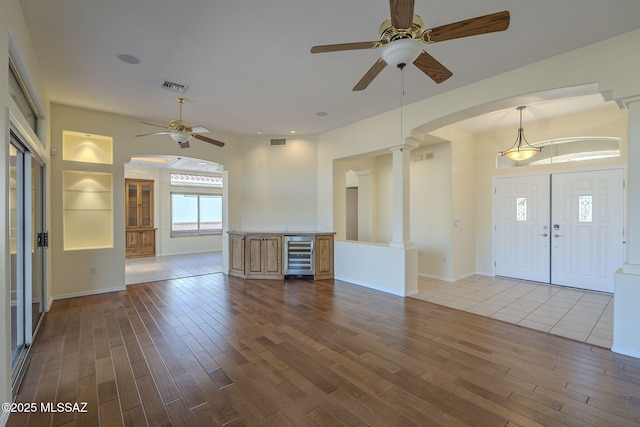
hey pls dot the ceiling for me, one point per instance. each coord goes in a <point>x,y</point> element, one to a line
<point>247,63</point>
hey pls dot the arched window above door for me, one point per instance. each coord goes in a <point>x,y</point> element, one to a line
<point>563,150</point>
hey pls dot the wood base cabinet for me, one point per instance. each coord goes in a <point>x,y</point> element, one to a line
<point>323,257</point>
<point>260,255</point>
<point>140,243</point>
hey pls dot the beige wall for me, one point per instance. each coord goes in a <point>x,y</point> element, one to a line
<point>278,188</point>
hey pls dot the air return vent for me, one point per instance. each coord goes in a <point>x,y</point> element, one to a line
<point>280,141</point>
<point>176,87</point>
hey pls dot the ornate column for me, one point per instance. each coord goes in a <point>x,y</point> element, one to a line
<point>401,223</point>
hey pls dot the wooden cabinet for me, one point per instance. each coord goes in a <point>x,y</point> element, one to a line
<point>323,256</point>
<point>140,243</point>
<point>260,255</point>
<point>140,234</point>
<point>263,256</point>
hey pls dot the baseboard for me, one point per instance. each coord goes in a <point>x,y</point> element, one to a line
<point>624,351</point>
<point>431,276</point>
<point>87,293</point>
<point>204,251</point>
<point>367,285</point>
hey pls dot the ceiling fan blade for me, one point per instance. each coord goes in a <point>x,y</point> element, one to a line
<point>370,75</point>
<point>491,23</point>
<point>401,13</point>
<point>343,46</point>
<point>154,124</point>
<point>432,68</point>
<point>199,129</point>
<point>155,133</point>
<point>184,144</point>
<point>209,140</point>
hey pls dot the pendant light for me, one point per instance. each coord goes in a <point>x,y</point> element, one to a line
<point>519,151</point>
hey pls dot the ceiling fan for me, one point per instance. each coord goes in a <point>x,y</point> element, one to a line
<point>181,131</point>
<point>401,37</point>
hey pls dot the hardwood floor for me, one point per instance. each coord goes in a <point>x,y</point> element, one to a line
<point>217,350</point>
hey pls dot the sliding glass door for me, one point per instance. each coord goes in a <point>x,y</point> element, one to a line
<point>26,176</point>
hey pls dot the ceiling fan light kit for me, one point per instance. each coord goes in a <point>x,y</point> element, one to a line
<point>401,37</point>
<point>403,51</point>
<point>519,151</point>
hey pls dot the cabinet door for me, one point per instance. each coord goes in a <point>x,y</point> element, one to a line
<point>139,203</point>
<point>148,240</point>
<point>324,257</point>
<point>236,254</point>
<point>263,256</point>
<point>272,258</point>
<point>132,239</point>
<point>132,204</point>
<point>146,205</point>
<point>253,262</point>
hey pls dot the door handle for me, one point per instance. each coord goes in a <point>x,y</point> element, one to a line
<point>557,235</point>
<point>543,235</point>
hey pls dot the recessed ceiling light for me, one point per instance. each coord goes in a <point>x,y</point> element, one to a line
<point>292,131</point>
<point>321,113</point>
<point>129,59</point>
<point>259,132</point>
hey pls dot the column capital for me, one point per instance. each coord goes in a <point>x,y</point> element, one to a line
<point>625,102</point>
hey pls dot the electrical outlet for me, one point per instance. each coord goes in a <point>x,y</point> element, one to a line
<point>373,266</point>
<point>92,270</point>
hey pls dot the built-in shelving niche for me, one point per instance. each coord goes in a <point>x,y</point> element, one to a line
<point>87,195</point>
<point>87,148</point>
<point>88,210</point>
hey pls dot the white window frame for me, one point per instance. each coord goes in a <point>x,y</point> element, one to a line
<point>198,231</point>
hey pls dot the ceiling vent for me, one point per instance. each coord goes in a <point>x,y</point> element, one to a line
<point>176,87</point>
<point>280,141</point>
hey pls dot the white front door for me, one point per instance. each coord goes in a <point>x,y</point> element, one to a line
<point>521,218</point>
<point>587,228</point>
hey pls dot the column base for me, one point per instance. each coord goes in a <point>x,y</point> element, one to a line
<point>626,315</point>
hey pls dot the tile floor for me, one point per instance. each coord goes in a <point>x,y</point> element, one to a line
<point>572,313</point>
<point>151,269</point>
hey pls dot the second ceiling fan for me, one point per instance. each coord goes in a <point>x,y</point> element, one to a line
<point>402,35</point>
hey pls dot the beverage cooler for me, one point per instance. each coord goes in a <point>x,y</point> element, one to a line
<point>298,257</point>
